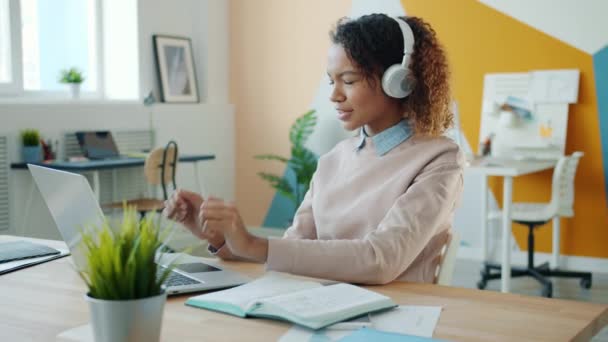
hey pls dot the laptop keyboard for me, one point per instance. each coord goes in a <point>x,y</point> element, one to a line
<point>176,279</point>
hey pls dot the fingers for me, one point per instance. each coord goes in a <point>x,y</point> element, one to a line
<point>176,208</point>
<point>216,209</point>
<point>207,232</point>
<point>191,197</point>
<point>169,210</point>
<point>216,215</point>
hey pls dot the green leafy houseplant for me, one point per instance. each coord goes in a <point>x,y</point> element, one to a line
<point>121,259</point>
<point>71,75</point>
<point>302,162</point>
<point>30,137</point>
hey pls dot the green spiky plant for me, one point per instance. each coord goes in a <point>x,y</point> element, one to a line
<point>121,258</point>
<point>302,162</point>
<point>72,75</point>
<point>30,137</point>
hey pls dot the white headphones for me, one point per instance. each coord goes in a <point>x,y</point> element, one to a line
<point>397,80</point>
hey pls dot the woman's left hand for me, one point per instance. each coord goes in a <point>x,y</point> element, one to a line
<point>223,217</point>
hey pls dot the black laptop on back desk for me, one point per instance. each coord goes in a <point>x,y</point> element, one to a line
<point>98,145</point>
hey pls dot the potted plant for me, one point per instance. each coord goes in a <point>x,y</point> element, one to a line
<point>31,151</point>
<point>126,296</point>
<point>303,162</point>
<point>73,77</point>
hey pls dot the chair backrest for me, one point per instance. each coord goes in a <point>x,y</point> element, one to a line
<point>562,189</point>
<point>447,260</point>
<point>161,165</point>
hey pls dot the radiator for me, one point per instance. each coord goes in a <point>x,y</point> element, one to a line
<point>4,198</point>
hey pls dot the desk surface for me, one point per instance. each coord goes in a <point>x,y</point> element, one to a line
<point>90,165</point>
<point>41,301</point>
<point>508,167</point>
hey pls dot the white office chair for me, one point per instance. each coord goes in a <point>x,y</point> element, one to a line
<point>537,214</point>
<point>447,260</point>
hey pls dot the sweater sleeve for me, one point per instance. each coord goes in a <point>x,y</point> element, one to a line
<point>382,255</point>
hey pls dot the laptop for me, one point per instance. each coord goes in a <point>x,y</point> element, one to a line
<point>72,205</point>
<point>98,145</point>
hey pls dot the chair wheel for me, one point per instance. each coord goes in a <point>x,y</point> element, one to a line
<point>586,283</point>
<point>482,284</point>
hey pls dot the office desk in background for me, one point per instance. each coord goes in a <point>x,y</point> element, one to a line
<point>42,301</point>
<point>506,169</point>
<point>94,166</point>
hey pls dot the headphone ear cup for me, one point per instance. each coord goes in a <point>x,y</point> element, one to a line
<point>395,81</point>
<point>408,84</point>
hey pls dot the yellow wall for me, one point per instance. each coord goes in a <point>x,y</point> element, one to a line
<point>480,40</point>
<point>277,58</point>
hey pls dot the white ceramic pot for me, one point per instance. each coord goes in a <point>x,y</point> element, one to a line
<point>75,90</point>
<point>127,320</point>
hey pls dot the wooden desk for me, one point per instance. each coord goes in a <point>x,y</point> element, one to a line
<point>44,300</point>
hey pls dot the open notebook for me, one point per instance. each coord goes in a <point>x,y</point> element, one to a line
<point>307,303</point>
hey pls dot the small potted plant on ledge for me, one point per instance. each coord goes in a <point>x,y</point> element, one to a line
<point>74,78</point>
<point>31,151</point>
<point>126,295</point>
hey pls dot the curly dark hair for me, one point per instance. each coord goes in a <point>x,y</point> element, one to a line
<point>374,42</point>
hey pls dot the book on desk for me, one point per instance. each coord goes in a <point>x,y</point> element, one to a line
<point>15,255</point>
<point>304,302</point>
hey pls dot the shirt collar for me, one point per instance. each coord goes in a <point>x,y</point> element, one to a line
<point>388,139</point>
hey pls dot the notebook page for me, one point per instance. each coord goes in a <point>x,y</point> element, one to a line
<point>244,296</point>
<point>326,302</point>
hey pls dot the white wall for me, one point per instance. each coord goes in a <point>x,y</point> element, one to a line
<point>204,128</point>
<point>205,22</point>
<point>581,24</point>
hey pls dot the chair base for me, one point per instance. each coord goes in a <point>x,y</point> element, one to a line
<point>492,271</point>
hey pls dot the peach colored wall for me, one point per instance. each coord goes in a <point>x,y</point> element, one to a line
<point>277,57</point>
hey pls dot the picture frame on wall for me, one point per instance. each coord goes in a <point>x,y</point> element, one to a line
<point>175,68</point>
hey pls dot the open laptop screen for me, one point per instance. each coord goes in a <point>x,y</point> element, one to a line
<point>97,145</point>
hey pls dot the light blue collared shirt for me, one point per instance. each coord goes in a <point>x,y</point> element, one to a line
<point>388,139</point>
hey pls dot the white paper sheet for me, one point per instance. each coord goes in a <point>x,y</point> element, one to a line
<point>404,319</point>
<point>554,86</point>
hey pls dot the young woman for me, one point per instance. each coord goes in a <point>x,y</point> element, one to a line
<point>380,204</point>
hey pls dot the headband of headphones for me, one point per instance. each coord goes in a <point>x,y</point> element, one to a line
<point>408,39</point>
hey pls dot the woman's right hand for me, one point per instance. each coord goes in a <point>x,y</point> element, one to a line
<point>183,207</point>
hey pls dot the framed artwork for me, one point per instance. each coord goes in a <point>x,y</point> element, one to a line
<point>175,67</point>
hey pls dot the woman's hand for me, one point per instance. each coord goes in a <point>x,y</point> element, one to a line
<point>224,218</point>
<point>184,207</point>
